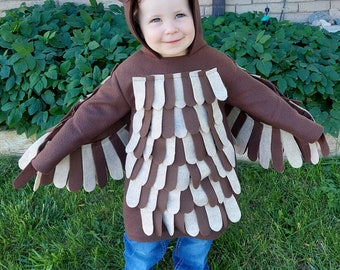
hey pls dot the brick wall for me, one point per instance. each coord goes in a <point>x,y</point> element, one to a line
<point>295,10</point>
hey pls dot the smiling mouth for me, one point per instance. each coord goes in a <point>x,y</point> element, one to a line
<point>173,41</point>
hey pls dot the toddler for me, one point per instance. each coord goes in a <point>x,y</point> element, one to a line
<point>174,112</point>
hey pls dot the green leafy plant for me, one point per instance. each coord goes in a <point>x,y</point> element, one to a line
<point>303,61</point>
<point>52,56</point>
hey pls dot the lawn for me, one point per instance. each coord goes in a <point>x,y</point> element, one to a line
<point>290,220</point>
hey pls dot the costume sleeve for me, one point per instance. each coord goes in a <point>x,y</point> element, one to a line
<point>87,143</point>
<point>268,126</point>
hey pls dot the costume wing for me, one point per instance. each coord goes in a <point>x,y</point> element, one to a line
<point>267,144</point>
<point>86,167</point>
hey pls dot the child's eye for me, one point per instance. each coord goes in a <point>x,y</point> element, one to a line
<point>155,20</point>
<point>180,15</point>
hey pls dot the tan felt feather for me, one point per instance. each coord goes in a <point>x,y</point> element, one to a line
<point>156,125</point>
<point>232,209</point>
<point>197,88</point>
<point>314,153</point>
<point>214,217</point>
<point>138,121</point>
<point>159,95</point>
<point>183,177</point>
<point>217,84</point>
<point>173,204</point>
<point>234,182</point>
<point>191,223</point>
<point>291,149</point>
<point>189,149</point>
<point>199,195</point>
<point>89,169</point>
<point>152,201</point>
<point>131,160</point>
<point>160,178</point>
<point>265,149</point>
<point>170,145</point>
<point>61,172</point>
<point>139,92</point>
<point>179,91</point>
<point>204,169</point>
<point>202,118</point>
<point>169,221</point>
<point>37,181</point>
<point>147,221</point>
<point>180,127</point>
<point>218,190</point>
<point>133,194</point>
<point>148,148</point>
<point>31,152</point>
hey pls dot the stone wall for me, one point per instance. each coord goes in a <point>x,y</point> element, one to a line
<point>295,10</point>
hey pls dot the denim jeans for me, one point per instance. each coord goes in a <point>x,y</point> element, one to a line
<point>189,254</point>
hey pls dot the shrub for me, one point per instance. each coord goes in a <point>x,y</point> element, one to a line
<point>52,56</point>
<point>302,60</point>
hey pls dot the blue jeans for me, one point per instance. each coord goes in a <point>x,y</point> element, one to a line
<point>189,254</point>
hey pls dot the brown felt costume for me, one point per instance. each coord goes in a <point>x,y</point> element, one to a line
<point>175,123</point>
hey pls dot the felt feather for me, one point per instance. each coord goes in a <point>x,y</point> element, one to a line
<point>218,191</point>
<point>147,221</point>
<point>160,178</point>
<point>179,91</point>
<point>169,221</point>
<point>152,201</point>
<point>139,91</point>
<point>197,88</point>
<point>217,84</point>
<point>214,217</point>
<point>61,172</point>
<point>204,169</point>
<point>232,209</point>
<point>191,223</point>
<point>31,152</point>
<point>159,95</point>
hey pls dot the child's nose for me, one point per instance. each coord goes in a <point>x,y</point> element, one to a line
<point>171,28</point>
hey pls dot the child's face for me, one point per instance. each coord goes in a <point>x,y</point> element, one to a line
<point>167,26</point>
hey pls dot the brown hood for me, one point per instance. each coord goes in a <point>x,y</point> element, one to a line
<point>129,7</point>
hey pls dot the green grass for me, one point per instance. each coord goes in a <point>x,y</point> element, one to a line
<point>290,220</point>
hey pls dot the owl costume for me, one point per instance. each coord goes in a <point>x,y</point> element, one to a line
<point>171,128</point>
